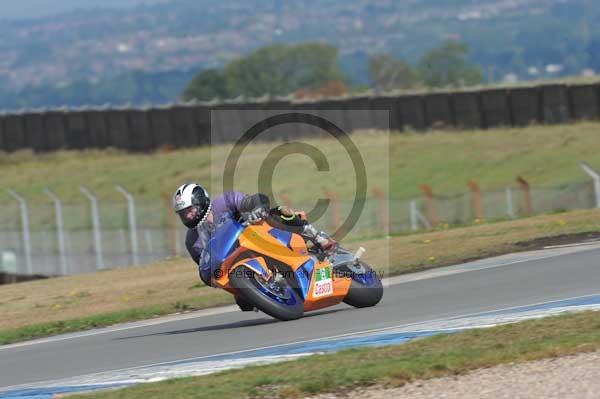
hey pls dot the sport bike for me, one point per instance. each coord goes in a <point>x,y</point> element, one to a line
<point>274,270</point>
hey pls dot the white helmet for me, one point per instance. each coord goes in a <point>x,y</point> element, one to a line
<point>192,203</point>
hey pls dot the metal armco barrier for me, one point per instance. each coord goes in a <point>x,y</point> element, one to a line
<point>185,125</point>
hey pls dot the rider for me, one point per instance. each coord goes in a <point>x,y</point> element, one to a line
<point>200,215</point>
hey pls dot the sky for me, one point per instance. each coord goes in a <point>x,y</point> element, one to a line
<point>41,8</point>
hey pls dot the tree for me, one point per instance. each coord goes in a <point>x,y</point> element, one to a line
<point>447,65</point>
<point>272,70</point>
<point>207,85</point>
<point>388,73</point>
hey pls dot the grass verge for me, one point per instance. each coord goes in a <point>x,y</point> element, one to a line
<point>39,330</point>
<point>48,307</point>
<point>446,161</point>
<point>389,366</point>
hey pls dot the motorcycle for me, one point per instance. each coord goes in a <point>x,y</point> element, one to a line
<point>275,271</point>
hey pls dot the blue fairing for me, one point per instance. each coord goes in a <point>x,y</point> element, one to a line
<point>304,275</point>
<point>222,242</point>
<point>284,237</point>
<point>291,301</point>
<point>257,266</point>
<point>368,278</point>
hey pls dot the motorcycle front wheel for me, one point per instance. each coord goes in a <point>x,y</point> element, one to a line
<point>278,300</point>
<point>366,289</point>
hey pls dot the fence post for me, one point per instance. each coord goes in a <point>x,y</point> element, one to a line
<point>416,216</point>
<point>25,228</point>
<point>172,221</point>
<point>384,219</point>
<point>95,226</point>
<point>60,230</point>
<point>132,224</point>
<point>149,246</point>
<point>414,222</point>
<point>509,203</point>
<point>596,177</point>
<point>474,187</point>
<point>426,189</point>
<point>524,185</point>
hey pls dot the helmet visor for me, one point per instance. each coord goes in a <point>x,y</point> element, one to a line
<point>189,216</point>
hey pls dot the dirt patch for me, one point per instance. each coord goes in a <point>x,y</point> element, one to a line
<point>6,278</point>
<point>538,244</point>
<point>562,239</point>
<point>82,295</point>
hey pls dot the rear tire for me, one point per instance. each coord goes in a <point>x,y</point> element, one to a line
<point>250,290</point>
<point>362,295</point>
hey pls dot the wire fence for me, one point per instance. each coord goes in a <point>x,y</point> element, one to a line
<point>81,252</point>
<point>87,247</point>
<point>494,205</point>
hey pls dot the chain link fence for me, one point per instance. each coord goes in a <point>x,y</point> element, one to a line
<point>160,235</point>
<point>82,252</point>
<point>493,205</point>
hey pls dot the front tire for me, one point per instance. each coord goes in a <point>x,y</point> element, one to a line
<point>283,307</point>
<point>366,289</point>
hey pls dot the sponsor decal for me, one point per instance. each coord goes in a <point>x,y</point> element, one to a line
<point>323,283</point>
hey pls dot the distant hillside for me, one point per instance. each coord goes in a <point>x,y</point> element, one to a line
<point>69,57</point>
<point>31,9</point>
<point>135,88</point>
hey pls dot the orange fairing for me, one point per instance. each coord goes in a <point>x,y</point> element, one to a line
<point>257,265</point>
<point>257,239</point>
<point>260,243</point>
<point>298,245</point>
<point>327,289</point>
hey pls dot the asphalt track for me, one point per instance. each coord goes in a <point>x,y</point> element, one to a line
<point>509,281</point>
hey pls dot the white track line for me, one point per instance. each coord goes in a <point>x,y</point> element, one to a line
<point>332,337</point>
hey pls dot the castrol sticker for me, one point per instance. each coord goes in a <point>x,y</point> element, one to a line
<point>323,283</point>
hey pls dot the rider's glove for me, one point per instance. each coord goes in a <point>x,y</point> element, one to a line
<point>256,215</point>
<point>320,237</point>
